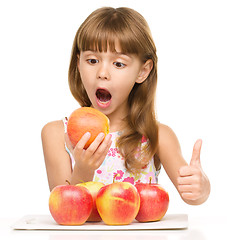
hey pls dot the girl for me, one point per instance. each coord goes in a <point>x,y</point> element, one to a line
<point>113,68</point>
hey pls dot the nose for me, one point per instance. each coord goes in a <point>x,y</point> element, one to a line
<point>103,72</point>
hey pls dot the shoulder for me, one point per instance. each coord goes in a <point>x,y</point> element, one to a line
<point>53,130</point>
<point>165,131</point>
<point>167,138</point>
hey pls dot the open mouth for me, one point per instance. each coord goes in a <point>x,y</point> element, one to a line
<point>103,96</point>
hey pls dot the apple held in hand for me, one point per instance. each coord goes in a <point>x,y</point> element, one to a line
<point>86,119</point>
<point>70,205</point>
<point>154,202</point>
<point>93,188</point>
<point>118,203</point>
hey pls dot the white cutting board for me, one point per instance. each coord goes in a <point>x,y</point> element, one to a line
<point>46,222</point>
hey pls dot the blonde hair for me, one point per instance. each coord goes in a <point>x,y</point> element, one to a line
<point>99,32</point>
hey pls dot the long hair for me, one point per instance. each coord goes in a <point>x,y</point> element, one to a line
<point>99,32</point>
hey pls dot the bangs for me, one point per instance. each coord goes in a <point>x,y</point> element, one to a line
<point>104,32</point>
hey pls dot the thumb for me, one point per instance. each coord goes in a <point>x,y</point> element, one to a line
<point>195,160</point>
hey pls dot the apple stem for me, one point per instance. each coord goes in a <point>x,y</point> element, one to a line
<point>68,182</point>
<point>114,178</point>
<point>150,179</point>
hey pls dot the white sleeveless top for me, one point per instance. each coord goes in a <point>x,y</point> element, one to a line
<point>114,166</point>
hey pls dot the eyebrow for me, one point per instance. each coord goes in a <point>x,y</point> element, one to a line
<point>115,52</point>
<point>122,53</point>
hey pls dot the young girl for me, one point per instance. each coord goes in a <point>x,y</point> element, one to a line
<point>113,68</point>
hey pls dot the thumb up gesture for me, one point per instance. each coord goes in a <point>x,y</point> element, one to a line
<point>193,185</point>
<point>195,160</point>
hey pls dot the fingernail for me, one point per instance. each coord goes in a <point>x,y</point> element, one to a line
<point>101,135</point>
<point>87,134</point>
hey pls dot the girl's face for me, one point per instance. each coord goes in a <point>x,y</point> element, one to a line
<point>109,77</point>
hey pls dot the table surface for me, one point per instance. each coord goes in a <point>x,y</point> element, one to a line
<point>199,228</point>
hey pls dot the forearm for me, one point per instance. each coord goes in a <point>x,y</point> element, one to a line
<point>79,176</point>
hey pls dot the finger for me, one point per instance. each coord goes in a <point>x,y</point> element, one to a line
<point>189,196</point>
<point>95,144</point>
<point>188,171</point>
<point>104,146</point>
<point>108,144</point>
<point>195,160</point>
<point>107,140</point>
<point>188,180</point>
<point>194,188</point>
<point>82,142</point>
<point>185,188</point>
<point>102,151</point>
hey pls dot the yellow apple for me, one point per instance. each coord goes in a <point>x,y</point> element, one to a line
<point>93,188</point>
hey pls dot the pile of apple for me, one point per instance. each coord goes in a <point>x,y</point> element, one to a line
<point>116,204</point>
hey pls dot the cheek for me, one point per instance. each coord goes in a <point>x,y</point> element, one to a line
<point>124,83</point>
<point>131,76</point>
<point>87,85</point>
<point>86,77</point>
<point>83,73</point>
<point>123,90</point>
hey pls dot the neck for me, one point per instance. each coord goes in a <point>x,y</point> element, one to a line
<point>117,122</point>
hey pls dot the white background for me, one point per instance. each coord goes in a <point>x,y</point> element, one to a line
<point>35,45</point>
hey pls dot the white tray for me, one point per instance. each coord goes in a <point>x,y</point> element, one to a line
<point>46,222</point>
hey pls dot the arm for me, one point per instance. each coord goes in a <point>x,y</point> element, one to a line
<point>190,180</point>
<point>57,160</point>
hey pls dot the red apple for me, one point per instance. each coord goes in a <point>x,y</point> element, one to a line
<point>118,203</point>
<point>93,188</point>
<point>70,205</point>
<point>86,119</point>
<point>154,202</point>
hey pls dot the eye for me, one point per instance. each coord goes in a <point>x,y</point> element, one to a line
<point>119,64</point>
<point>92,61</point>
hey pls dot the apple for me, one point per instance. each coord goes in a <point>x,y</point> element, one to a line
<point>154,202</point>
<point>86,119</point>
<point>93,188</point>
<point>70,205</point>
<point>118,203</point>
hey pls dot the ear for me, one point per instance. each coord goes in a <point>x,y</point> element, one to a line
<point>145,71</point>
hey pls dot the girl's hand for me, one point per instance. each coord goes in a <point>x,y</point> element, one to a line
<point>193,184</point>
<point>87,161</point>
